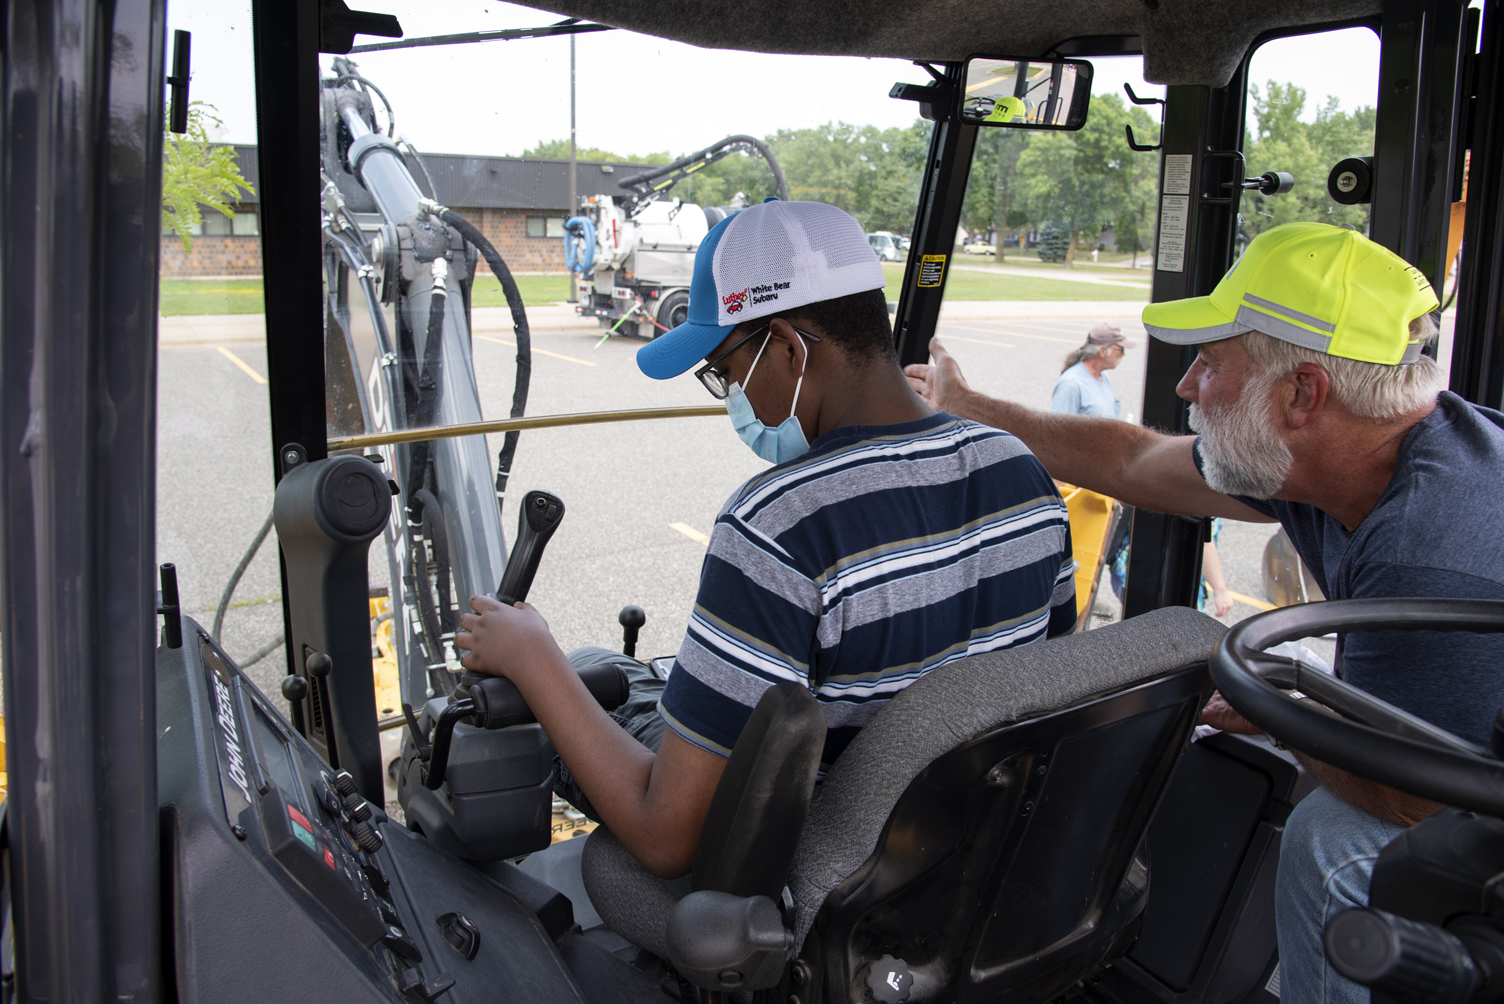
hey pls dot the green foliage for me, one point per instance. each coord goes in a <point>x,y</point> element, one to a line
<point>871,173</point>
<point>1280,141</point>
<point>197,174</point>
<point>1126,229</point>
<point>1054,244</point>
<point>1072,182</point>
<point>558,149</point>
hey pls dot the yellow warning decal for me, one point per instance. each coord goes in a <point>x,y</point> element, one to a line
<point>931,269</point>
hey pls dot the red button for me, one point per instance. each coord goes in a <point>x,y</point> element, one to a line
<point>328,857</point>
<point>299,818</point>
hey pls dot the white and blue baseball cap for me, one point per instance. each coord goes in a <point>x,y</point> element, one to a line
<point>761,261</point>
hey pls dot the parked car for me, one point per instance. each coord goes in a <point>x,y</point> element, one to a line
<point>888,246</point>
<point>979,247</point>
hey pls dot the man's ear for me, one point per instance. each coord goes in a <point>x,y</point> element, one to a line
<point>1304,393</point>
<point>785,346</point>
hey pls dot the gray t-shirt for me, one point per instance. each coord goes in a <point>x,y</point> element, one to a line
<point>1077,392</point>
<point>1438,530</point>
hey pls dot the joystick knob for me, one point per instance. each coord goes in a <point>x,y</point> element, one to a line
<point>631,620</point>
<point>294,688</point>
<point>366,836</point>
<point>345,784</point>
<point>318,664</point>
<point>357,808</point>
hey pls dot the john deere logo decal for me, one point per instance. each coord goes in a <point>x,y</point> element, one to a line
<point>734,302</point>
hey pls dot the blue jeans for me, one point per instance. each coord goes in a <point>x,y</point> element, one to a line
<point>1325,862</point>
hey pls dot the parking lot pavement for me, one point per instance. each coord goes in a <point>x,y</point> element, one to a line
<point>641,496</point>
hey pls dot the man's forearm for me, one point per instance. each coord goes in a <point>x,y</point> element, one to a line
<point>613,769</point>
<point>1083,450</point>
<point>1388,804</point>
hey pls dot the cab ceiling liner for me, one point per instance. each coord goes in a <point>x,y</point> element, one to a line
<point>1185,41</point>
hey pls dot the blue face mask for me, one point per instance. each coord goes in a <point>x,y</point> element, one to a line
<point>778,445</point>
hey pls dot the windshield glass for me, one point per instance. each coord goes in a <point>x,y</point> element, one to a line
<point>484,129</point>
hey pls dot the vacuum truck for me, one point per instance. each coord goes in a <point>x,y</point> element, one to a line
<point>631,256</point>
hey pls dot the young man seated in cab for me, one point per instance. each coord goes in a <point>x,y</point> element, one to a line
<point>887,540</point>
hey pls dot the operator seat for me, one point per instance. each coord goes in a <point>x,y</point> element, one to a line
<point>983,837</point>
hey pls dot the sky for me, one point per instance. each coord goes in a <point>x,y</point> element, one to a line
<point>636,94</point>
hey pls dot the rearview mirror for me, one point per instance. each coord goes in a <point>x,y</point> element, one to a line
<point>1026,93</point>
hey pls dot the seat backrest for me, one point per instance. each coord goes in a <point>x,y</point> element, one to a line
<point>986,829</point>
<point>758,810</point>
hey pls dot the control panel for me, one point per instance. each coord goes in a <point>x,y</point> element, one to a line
<point>315,825</point>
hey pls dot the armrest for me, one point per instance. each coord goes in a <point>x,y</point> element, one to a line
<point>758,810</point>
<point>723,942</point>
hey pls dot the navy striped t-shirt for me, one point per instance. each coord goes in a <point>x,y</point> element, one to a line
<point>879,555</point>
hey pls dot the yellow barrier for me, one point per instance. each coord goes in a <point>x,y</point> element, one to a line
<point>1093,517</point>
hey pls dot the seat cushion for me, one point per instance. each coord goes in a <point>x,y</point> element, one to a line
<point>955,704</point>
<point>631,900</point>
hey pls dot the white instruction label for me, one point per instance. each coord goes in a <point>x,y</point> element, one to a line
<point>1174,216</point>
<point>1177,174</point>
<point>1272,987</point>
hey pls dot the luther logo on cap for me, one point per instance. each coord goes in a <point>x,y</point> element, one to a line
<point>734,302</point>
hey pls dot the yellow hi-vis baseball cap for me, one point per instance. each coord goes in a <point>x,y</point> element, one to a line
<point>1312,284</point>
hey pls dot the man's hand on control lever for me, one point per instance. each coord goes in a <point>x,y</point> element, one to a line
<point>654,804</point>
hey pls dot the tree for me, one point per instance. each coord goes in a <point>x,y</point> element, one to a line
<point>1278,140</point>
<point>1075,180</point>
<point>558,149</point>
<point>197,174</point>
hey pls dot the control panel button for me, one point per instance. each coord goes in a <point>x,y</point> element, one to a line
<point>400,945</point>
<point>357,807</point>
<point>367,837</point>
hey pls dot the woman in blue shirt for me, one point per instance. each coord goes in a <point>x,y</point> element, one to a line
<point>1083,387</point>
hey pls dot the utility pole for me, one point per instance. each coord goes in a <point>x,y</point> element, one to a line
<point>574,199</point>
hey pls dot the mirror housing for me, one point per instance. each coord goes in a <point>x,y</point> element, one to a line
<point>1022,93</point>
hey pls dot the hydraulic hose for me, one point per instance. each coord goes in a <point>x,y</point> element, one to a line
<point>435,530</point>
<point>427,405</point>
<point>524,339</point>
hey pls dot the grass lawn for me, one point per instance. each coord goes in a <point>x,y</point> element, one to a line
<point>211,296</point>
<point>536,290</point>
<point>964,285</point>
<point>243,296</point>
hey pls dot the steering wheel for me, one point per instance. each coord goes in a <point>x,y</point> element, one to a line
<point>1360,733</point>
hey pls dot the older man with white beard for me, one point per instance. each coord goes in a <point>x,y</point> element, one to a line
<point>1316,408</point>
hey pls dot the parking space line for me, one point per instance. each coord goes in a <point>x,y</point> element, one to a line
<point>1250,601</point>
<point>541,352</point>
<point>241,363</point>
<point>980,341</point>
<point>1010,334</point>
<point>690,532</point>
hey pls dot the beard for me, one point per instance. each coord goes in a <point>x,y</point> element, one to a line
<point>1241,451</point>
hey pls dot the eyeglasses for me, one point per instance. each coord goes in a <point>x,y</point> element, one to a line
<point>715,381</point>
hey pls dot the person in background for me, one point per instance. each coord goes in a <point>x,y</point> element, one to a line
<point>1215,598</point>
<point>1084,387</point>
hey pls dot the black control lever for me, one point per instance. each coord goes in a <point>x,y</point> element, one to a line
<point>540,517</point>
<point>631,619</point>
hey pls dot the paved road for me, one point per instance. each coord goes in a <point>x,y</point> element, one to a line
<point>639,495</point>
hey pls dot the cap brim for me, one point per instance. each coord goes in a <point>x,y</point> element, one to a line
<point>1191,321</point>
<point>676,351</point>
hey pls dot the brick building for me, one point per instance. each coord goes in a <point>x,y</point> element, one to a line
<point>517,202</point>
